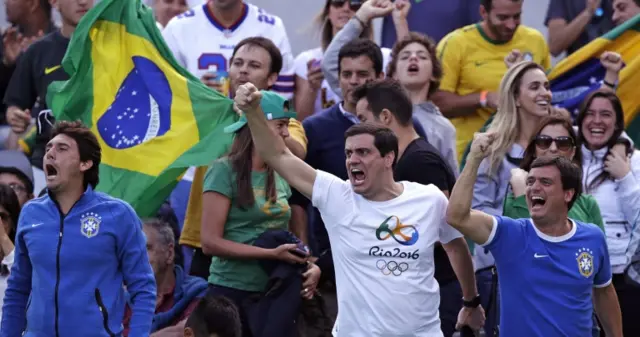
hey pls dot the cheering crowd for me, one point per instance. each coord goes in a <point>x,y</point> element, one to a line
<point>365,193</point>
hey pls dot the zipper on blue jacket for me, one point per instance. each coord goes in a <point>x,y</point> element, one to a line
<point>58,268</point>
<point>55,299</point>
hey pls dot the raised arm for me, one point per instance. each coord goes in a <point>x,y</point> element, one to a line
<point>352,30</point>
<point>473,224</point>
<point>272,148</point>
<point>612,63</point>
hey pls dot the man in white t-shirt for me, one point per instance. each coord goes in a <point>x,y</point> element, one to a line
<point>382,232</point>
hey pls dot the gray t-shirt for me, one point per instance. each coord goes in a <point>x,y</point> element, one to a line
<point>440,133</point>
<point>570,9</point>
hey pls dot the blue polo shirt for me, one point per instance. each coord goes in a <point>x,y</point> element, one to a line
<point>546,282</point>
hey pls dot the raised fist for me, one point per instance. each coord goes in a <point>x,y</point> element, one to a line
<point>481,144</point>
<point>248,97</point>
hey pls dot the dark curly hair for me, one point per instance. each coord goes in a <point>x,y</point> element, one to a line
<point>430,45</point>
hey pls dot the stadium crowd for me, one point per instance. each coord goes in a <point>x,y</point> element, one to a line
<point>424,187</point>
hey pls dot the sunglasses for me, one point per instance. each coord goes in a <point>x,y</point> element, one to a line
<point>562,143</point>
<point>353,4</point>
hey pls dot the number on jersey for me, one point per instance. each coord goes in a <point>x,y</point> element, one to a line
<point>187,14</point>
<point>266,18</point>
<point>206,60</point>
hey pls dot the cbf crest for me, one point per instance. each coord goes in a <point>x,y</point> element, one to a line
<point>90,224</point>
<point>584,257</point>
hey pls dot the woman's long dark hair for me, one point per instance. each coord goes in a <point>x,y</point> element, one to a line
<point>240,158</point>
<point>9,201</point>
<point>617,132</point>
<point>530,151</point>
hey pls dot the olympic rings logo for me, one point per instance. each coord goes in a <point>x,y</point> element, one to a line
<point>392,267</point>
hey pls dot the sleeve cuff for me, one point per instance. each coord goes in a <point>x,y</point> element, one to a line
<point>626,178</point>
<point>606,284</point>
<point>492,235</point>
<point>8,259</point>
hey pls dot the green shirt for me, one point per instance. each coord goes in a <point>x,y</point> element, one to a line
<point>245,225</point>
<point>585,209</point>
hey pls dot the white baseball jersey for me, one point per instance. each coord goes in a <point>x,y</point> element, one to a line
<point>201,44</point>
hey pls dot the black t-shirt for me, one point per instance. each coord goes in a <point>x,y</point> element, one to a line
<point>422,163</point>
<point>35,69</point>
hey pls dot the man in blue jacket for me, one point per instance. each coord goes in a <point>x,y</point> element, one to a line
<point>75,249</point>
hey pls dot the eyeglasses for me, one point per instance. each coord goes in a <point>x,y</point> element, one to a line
<point>353,4</point>
<point>562,143</point>
<point>19,189</point>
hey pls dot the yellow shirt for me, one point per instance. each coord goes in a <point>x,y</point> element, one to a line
<point>192,221</point>
<point>472,62</point>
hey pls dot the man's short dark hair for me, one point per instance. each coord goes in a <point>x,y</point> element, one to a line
<point>570,174</point>
<point>266,44</point>
<point>386,94</point>
<point>488,4</point>
<point>88,147</point>
<point>383,138</point>
<point>362,47</point>
<point>215,315</point>
<point>430,45</point>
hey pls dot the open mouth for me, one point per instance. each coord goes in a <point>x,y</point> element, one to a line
<point>50,171</point>
<point>413,69</point>
<point>597,131</point>
<point>358,176</point>
<point>537,201</point>
<point>543,103</point>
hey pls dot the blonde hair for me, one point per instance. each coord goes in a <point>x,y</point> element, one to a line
<point>506,122</point>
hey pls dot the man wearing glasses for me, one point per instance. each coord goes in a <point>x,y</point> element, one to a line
<point>16,171</point>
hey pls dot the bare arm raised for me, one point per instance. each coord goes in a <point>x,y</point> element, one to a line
<point>270,147</point>
<point>475,225</point>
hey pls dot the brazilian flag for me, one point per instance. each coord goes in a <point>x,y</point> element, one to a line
<point>153,119</point>
<point>581,73</point>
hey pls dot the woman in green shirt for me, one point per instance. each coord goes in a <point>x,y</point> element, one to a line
<point>554,137</point>
<point>243,198</point>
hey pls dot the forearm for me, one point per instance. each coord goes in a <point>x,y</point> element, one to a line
<point>267,143</point>
<point>305,98</point>
<point>453,105</point>
<point>230,249</point>
<point>610,77</point>
<point>298,223</point>
<point>462,193</point>
<point>460,258</point>
<point>562,38</point>
<point>402,28</point>
<point>608,310</point>
<point>296,148</point>
<point>330,63</point>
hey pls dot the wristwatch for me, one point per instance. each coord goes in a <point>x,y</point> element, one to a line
<point>474,303</point>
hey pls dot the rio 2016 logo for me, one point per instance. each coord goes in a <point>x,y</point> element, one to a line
<point>406,235</point>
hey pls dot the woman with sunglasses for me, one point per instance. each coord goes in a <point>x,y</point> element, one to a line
<point>9,212</point>
<point>612,175</point>
<point>313,93</point>
<point>555,137</point>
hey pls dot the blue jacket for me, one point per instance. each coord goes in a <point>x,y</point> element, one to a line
<point>69,271</point>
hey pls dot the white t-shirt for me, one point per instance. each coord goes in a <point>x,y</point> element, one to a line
<point>383,257</point>
<point>326,97</point>
<point>201,44</point>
